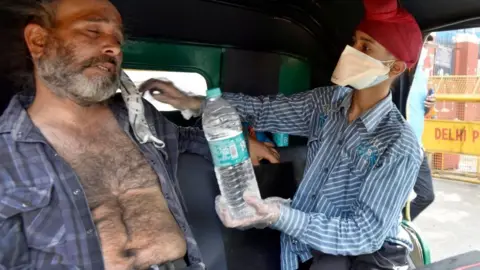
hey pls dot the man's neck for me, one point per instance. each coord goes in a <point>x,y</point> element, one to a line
<point>365,99</point>
<point>48,109</point>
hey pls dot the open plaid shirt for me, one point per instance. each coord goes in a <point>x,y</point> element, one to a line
<point>45,222</point>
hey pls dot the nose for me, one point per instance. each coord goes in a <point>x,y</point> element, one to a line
<point>111,47</point>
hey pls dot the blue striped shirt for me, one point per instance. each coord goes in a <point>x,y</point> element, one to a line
<point>357,178</point>
<point>45,222</point>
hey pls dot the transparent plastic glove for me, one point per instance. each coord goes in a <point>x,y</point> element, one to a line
<point>267,212</point>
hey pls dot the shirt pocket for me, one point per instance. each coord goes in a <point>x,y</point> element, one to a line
<point>41,215</point>
<point>358,166</point>
<point>23,199</point>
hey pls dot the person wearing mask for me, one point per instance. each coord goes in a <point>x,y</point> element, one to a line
<point>420,102</point>
<point>363,157</point>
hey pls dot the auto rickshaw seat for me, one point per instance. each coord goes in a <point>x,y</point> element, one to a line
<point>233,249</point>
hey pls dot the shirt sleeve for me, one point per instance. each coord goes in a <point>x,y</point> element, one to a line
<point>14,253</point>
<point>282,114</point>
<point>373,214</point>
<point>193,140</point>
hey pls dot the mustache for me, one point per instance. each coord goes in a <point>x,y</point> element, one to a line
<point>100,59</point>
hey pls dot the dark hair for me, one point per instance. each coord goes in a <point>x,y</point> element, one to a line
<point>41,12</point>
<point>15,60</point>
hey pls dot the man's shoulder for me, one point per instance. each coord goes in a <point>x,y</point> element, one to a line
<point>330,91</point>
<point>402,141</point>
<point>11,115</point>
<point>328,96</point>
<point>14,162</point>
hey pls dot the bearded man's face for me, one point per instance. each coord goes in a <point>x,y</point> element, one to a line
<point>85,82</point>
<point>81,54</point>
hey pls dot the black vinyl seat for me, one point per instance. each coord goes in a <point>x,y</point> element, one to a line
<point>233,249</point>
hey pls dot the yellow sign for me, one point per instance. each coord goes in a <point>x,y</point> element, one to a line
<point>452,137</point>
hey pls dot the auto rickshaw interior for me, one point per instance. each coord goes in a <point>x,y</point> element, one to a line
<point>257,47</point>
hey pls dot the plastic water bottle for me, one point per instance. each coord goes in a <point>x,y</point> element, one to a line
<point>233,167</point>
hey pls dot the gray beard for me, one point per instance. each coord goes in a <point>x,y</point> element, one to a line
<point>66,82</point>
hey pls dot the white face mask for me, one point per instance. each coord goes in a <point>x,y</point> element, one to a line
<point>359,70</point>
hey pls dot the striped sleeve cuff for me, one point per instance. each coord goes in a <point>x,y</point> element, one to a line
<point>291,221</point>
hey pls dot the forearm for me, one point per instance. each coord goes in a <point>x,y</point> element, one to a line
<point>279,113</point>
<point>365,227</point>
<point>337,236</point>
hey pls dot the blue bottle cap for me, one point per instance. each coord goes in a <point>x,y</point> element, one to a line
<point>214,93</point>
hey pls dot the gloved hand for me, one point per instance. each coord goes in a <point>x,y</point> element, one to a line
<point>266,212</point>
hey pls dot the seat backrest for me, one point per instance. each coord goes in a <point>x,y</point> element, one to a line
<point>233,249</point>
<point>199,187</point>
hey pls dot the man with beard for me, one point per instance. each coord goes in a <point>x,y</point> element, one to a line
<point>75,181</point>
<point>362,160</point>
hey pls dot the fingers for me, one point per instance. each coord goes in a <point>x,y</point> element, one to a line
<point>269,144</point>
<point>259,151</point>
<point>275,153</point>
<point>260,207</point>
<point>154,84</point>
<point>429,104</point>
<point>222,212</point>
<point>271,155</point>
<point>220,204</point>
<point>243,223</point>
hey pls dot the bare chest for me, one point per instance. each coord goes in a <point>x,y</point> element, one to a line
<point>107,165</point>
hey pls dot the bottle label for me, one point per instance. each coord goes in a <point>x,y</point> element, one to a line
<point>229,151</point>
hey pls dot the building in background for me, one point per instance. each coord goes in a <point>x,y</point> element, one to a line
<point>453,65</point>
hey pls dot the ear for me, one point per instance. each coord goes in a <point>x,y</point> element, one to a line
<point>36,39</point>
<point>397,68</point>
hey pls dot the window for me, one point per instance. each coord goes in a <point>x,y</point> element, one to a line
<point>190,82</point>
<point>449,68</point>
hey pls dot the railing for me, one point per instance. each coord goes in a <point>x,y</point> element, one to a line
<point>463,85</point>
<point>452,132</point>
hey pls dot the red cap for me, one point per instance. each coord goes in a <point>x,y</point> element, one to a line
<point>394,28</point>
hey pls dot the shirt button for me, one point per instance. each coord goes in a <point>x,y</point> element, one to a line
<point>24,205</point>
<point>89,231</point>
<point>294,242</point>
<point>76,192</point>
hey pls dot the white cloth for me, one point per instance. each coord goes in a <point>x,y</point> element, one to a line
<point>136,112</point>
